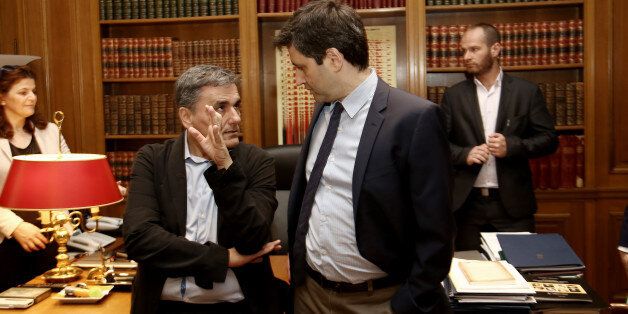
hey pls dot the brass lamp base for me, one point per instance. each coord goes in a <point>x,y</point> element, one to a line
<point>63,274</point>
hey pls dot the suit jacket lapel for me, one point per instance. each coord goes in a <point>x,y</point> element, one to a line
<point>175,176</point>
<point>373,123</point>
<point>504,104</point>
<point>476,113</point>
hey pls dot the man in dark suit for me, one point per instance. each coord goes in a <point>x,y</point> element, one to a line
<point>370,226</point>
<point>200,208</point>
<point>495,123</point>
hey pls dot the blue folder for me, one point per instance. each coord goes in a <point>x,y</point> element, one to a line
<point>539,252</point>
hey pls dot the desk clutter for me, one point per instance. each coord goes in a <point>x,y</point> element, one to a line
<point>523,270</point>
<point>103,270</point>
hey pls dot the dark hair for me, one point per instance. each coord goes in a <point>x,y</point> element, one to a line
<point>320,25</point>
<point>490,33</point>
<point>9,76</point>
<point>188,85</point>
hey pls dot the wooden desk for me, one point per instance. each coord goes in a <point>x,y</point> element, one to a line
<point>117,301</point>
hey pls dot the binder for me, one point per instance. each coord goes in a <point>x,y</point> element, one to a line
<point>539,252</point>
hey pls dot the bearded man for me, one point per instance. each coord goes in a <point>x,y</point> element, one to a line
<point>495,123</point>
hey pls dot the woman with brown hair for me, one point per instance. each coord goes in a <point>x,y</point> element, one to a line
<point>23,249</point>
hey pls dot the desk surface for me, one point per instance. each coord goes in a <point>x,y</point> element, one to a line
<point>116,301</point>
<point>120,301</point>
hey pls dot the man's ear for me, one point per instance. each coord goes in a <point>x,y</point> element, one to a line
<point>335,58</point>
<point>496,48</point>
<point>185,116</point>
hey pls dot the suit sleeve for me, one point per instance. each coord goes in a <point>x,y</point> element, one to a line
<point>429,185</point>
<point>149,243</point>
<point>458,153</point>
<point>540,138</point>
<point>245,195</point>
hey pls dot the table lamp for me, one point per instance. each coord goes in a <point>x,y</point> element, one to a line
<point>60,182</point>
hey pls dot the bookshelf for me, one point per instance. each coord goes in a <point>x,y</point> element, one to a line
<point>542,42</point>
<point>143,49</point>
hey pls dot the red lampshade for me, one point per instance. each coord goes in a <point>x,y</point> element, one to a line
<point>59,181</point>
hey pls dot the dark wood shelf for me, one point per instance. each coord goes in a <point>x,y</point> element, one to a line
<point>502,6</point>
<point>365,13</point>
<point>514,68</point>
<point>569,127</point>
<point>140,136</point>
<point>172,20</point>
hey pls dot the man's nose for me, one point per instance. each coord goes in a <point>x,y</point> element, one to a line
<point>466,55</point>
<point>234,116</point>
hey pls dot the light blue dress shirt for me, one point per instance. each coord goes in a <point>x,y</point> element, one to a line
<point>331,243</point>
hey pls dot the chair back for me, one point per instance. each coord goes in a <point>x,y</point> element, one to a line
<point>286,157</point>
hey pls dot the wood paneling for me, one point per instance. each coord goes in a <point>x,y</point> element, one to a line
<point>619,84</point>
<point>611,94</point>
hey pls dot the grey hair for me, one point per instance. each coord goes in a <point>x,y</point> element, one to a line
<point>190,82</point>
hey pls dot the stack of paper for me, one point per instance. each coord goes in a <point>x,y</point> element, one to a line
<point>491,246</point>
<point>472,281</point>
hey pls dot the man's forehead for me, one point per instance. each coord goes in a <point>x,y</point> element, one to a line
<point>225,92</point>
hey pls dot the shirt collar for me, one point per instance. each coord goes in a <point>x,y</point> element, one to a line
<point>498,81</point>
<point>186,151</point>
<point>361,95</point>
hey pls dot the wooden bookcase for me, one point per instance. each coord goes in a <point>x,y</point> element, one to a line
<point>183,29</point>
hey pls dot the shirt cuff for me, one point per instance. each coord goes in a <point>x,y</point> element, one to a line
<point>623,249</point>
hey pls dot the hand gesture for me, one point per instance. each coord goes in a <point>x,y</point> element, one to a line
<point>478,155</point>
<point>236,259</point>
<point>213,146</point>
<point>497,145</point>
<point>29,237</point>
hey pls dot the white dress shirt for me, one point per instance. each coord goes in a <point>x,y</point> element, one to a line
<point>331,243</point>
<point>201,225</point>
<point>488,99</point>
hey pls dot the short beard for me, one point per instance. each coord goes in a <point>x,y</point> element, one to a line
<point>485,65</point>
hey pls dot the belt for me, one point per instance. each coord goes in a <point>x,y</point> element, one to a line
<point>343,287</point>
<point>486,192</point>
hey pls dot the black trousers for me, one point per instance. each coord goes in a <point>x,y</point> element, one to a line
<point>485,213</point>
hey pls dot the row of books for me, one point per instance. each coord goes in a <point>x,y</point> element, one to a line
<point>530,43</point>
<point>136,57</point>
<point>564,168</point>
<point>463,2</point>
<point>565,102</point>
<point>220,52</point>
<point>140,114</point>
<point>121,163</point>
<point>165,57</point>
<point>270,6</point>
<point>151,9</point>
